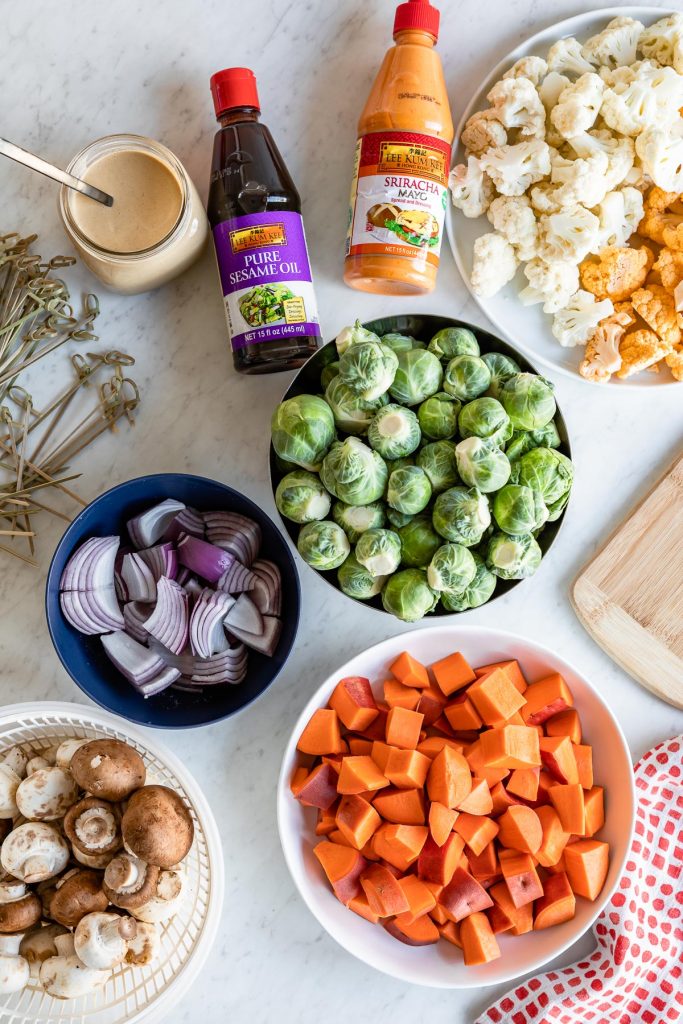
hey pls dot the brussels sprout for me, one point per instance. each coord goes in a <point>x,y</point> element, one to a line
<point>354,473</point>
<point>438,416</point>
<point>394,432</point>
<point>351,413</point>
<point>408,596</point>
<point>528,401</point>
<point>418,376</point>
<point>513,558</point>
<point>356,519</point>
<point>398,342</point>
<point>524,441</point>
<point>398,519</point>
<point>302,430</point>
<point>438,461</point>
<point>518,509</point>
<point>324,545</point>
<point>462,515</point>
<point>409,490</point>
<point>477,593</point>
<point>356,581</point>
<point>301,497</point>
<point>548,472</point>
<point>481,464</point>
<point>502,368</point>
<point>355,335</point>
<point>466,377</point>
<point>328,373</point>
<point>379,551</point>
<point>419,541</point>
<point>452,569</point>
<point>368,369</point>
<point>485,417</point>
<point>453,341</point>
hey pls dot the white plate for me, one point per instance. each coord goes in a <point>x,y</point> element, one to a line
<point>440,965</point>
<point>528,327</point>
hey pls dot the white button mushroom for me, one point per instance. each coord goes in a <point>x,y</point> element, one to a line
<point>33,852</point>
<point>14,969</point>
<point>66,750</point>
<point>9,783</point>
<point>92,860</point>
<point>38,945</point>
<point>166,900</point>
<point>16,759</point>
<point>47,794</point>
<point>36,763</point>
<point>65,976</point>
<point>144,948</point>
<point>101,940</point>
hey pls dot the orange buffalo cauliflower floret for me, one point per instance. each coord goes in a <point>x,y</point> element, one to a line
<point>602,357</point>
<point>669,266</point>
<point>660,223</point>
<point>674,360</point>
<point>616,272</point>
<point>657,308</point>
<point>639,350</point>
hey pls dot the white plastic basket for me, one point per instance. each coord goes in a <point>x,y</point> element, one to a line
<point>132,994</point>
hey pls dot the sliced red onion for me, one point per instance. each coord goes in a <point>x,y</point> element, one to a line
<point>267,641</point>
<point>207,560</point>
<point>121,590</point>
<point>228,667</point>
<point>135,615</point>
<point>162,560</point>
<point>150,526</point>
<point>92,611</point>
<point>92,565</point>
<point>207,636</point>
<point>168,623</point>
<point>236,579</point>
<point>188,521</point>
<point>138,578</point>
<point>235,533</point>
<point>267,591</point>
<point>160,682</point>
<point>244,615</point>
<point>137,663</point>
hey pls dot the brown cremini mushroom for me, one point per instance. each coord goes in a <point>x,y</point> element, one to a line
<point>157,826</point>
<point>78,893</point>
<point>20,914</point>
<point>93,826</point>
<point>109,769</point>
<point>129,882</point>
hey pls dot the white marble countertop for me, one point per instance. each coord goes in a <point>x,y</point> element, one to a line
<point>77,71</point>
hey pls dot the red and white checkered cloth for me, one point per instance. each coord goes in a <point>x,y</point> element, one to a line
<point>635,975</point>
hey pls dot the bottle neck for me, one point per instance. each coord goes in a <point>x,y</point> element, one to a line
<point>414,36</point>
<point>238,115</point>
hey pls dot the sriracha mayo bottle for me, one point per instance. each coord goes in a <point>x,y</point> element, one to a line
<point>403,155</point>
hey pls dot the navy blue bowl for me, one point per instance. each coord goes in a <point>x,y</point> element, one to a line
<point>83,656</point>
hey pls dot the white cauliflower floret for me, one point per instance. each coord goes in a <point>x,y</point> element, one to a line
<point>663,41</point>
<point>619,213</point>
<point>533,68</point>
<point>471,189</point>
<point>661,154</point>
<point>493,266</point>
<point>565,56</point>
<point>483,130</point>
<point>619,150</point>
<point>514,219</point>
<point>544,197</point>
<point>517,105</point>
<point>552,283</point>
<point>578,105</point>
<point>653,97</point>
<point>550,88</point>
<point>580,180</point>
<point>514,168</point>
<point>616,45</point>
<point>576,323</point>
<point>568,235</point>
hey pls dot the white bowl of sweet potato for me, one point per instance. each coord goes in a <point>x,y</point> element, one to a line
<point>455,806</point>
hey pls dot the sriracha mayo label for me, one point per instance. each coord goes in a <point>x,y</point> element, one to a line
<point>266,278</point>
<point>398,196</point>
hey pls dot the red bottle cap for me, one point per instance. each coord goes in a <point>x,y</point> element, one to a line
<point>234,87</point>
<point>418,15</point>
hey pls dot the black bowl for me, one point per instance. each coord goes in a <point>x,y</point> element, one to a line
<point>423,327</point>
<point>83,656</point>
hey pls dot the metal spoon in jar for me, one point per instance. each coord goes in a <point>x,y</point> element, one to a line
<point>22,156</point>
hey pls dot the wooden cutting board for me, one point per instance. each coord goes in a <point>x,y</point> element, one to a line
<point>630,597</point>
